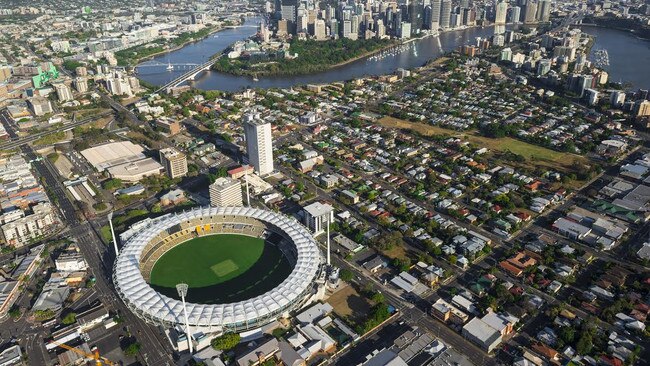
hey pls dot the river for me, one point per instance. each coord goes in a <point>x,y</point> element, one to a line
<point>629,56</point>
<point>417,53</point>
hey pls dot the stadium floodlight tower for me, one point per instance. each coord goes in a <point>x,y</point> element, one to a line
<point>182,292</point>
<point>110,222</point>
<point>328,241</point>
<point>248,197</point>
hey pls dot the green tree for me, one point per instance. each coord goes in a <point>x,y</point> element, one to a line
<point>378,298</point>
<point>584,345</point>
<point>112,184</point>
<point>346,275</point>
<point>567,334</point>
<point>132,349</point>
<point>226,342</point>
<point>42,315</point>
<point>69,318</point>
<point>156,208</point>
<point>15,312</point>
<point>403,264</point>
<point>379,314</point>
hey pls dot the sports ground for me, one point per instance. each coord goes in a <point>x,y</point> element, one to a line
<point>220,268</point>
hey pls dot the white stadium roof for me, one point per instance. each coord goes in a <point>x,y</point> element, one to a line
<point>251,313</point>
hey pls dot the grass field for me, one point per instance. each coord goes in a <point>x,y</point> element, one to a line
<point>535,155</point>
<point>207,260</point>
<point>220,268</point>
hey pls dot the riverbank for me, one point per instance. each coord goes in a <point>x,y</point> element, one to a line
<point>638,30</point>
<point>176,47</point>
<point>246,69</point>
<point>420,51</point>
<point>313,57</point>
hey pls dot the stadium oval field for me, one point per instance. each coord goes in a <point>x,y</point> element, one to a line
<point>220,268</point>
<point>245,268</point>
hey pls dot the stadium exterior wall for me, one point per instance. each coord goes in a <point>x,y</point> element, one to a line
<point>156,308</point>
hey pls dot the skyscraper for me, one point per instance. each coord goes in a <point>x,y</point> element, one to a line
<point>531,12</point>
<point>380,29</point>
<point>286,9</point>
<point>225,192</point>
<point>445,14</point>
<point>63,92</point>
<point>319,29</point>
<point>404,31</point>
<point>435,14</point>
<point>80,84</point>
<point>515,14</point>
<point>259,144</point>
<point>543,11</point>
<point>501,10</point>
<point>416,15</point>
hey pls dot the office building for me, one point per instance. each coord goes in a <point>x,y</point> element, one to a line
<point>501,10</point>
<point>80,84</point>
<point>63,92</point>
<point>380,29</point>
<point>283,28</point>
<point>319,30</point>
<point>288,10</point>
<point>530,13</point>
<point>174,161</point>
<point>506,54</point>
<point>435,14</point>
<point>445,13</point>
<point>543,11</point>
<point>168,125</point>
<point>416,13</point>
<point>40,106</point>
<point>259,144</point>
<point>81,71</point>
<point>317,215</point>
<point>642,108</point>
<point>225,192</point>
<point>404,31</point>
<point>543,67</point>
<point>11,355</point>
<point>116,84</point>
<point>617,98</point>
<point>515,15</point>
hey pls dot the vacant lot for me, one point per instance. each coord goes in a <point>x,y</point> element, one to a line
<point>348,304</point>
<point>535,155</point>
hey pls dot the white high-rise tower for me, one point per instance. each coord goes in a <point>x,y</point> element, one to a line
<point>259,144</point>
<point>501,11</point>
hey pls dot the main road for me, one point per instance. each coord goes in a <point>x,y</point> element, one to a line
<point>17,141</point>
<point>155,349</point>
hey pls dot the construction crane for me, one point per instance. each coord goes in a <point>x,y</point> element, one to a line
<point>99,360</point>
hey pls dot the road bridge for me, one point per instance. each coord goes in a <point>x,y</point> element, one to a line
<point>187,76</point>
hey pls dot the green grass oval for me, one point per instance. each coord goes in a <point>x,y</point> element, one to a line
<point>220,268</point>
<point>207,260</point>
